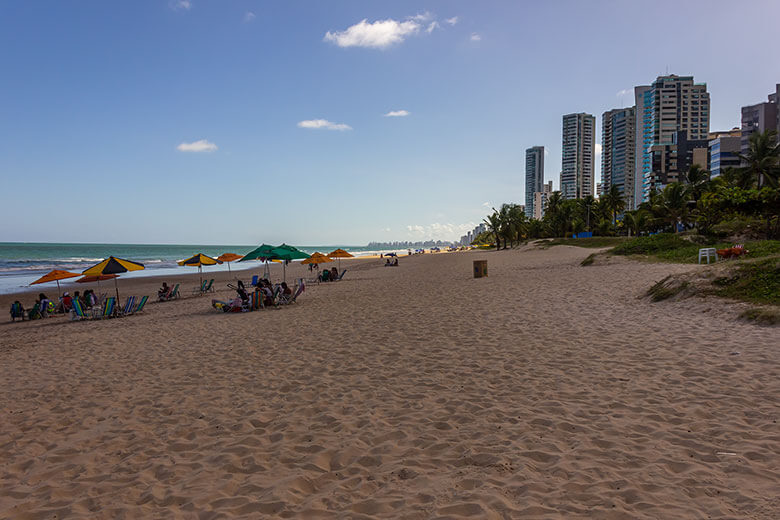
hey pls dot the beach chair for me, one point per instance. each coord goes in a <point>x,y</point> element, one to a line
<point>17,311</point>
<point>255,279</point>
<point>35,312</point>
<point>128,308</point>
<point>342,274</point>
<point>175,293</point>
<point>200,289</point>
<point>209,286</point>
<point>108,308</point>
<point>256,300</point>
<point>77,312</point>
<point>141,304</point>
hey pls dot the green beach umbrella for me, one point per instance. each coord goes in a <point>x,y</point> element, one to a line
<point>287,253</point>
<point>261,253</point>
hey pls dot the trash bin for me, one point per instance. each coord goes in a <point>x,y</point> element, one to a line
<point>480,268</point>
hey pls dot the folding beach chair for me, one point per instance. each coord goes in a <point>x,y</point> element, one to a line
<point>108,308</point>
<point>175,293</point>
<point>200,289</point>
<point>342,274</point>
<point>17,311</point>
<point>128,308</point>
<point>208,287</point>
<point>141,304</point>
<point>255,279</point>
<point>77,311</point>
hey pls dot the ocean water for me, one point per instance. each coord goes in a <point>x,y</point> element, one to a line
<point>22,262</point>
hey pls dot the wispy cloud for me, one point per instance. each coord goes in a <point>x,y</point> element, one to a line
<point>433,25</point>
<point>487,205</point>
<point>397,113</point>
<point>475,37</point>
<point>180,4</point>
<point>323,124</point>
<point>198,146</point>
<point>452,21</point>
<point>422,17</point>
<point>249,16</point>
<point>624,92</point>
<point>438,231</point>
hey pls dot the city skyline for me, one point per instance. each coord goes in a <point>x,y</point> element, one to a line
<point>254,114</point>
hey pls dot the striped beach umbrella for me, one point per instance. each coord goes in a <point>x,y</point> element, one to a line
<point>199,261</point>
<point>113,265</point>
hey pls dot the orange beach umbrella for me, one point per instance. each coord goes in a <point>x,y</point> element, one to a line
<point>229,257</point>
<point>340,253</point>
<point>317,258</point>
<point>55,276</point>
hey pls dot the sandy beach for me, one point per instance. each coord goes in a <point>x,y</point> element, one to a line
<point>547,390</point>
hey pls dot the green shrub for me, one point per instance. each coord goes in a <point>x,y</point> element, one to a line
<point>756,282</point>
<point>761,316</point>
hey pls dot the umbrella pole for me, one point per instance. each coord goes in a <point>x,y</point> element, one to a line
<point>59,293</point>
<point>116,286</point>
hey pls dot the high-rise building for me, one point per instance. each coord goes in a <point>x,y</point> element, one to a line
<point>577,178</point>
<point>724,150</point>
<point>618,143</point>
<point>669,105</point>
<point>672,161</point>
<point>540,200</point>
<point>534,176</point>
<point>760,118</point>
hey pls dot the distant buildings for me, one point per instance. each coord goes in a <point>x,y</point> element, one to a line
<point>669,105</point>
<point>469,237</point>
<point>534,176</point>
<point>577,178</point>
<point>724,149</point>
<point>540,201</point>
<point>760,118</point>
<point>618,143</point>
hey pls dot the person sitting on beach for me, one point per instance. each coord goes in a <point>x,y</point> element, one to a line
<point>162,292</point>
<point>46,305</point>
<point>325,276</point>
<point>387,263</point>
<point>395,262</point>
<point>286,290</point>
<point>89,298</point>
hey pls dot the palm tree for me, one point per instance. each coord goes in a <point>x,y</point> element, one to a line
<point>614,202</point>
<point>674,203</point>
<point>493,222</point>
<point>635,221</point>
<point>697,178</point>
<point>588,203</point>
<point>762,159</point>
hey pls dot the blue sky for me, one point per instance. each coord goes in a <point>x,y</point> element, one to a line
<point>245,122</point>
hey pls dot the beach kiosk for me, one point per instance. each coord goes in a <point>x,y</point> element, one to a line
<point>480,268</point>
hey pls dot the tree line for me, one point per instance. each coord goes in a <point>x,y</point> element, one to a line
<point>740,200</point>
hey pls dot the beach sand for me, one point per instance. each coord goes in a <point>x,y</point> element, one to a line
<point>547,390</point>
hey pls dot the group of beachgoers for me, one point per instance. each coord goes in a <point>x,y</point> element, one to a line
<point>44,306</point>
<point>270,295</point>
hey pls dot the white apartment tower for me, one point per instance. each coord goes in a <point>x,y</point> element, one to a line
<point>577,179</point>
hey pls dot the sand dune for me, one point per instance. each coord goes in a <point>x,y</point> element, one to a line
<point>547,390</point>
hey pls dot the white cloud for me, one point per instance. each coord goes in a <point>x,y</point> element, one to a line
<point>475,37</point>
<point>180,4</point>
<point>433,25</point>
<point>624,92</point>
<point>487,205</point>
<point>598,148</point>
<point>198,146</point>
<point>546,152</point>
<point>452,21</point>
<point>378,35</point>
<point>438,231</point>
<point>323,123</point>
<point>422,17</point>
<point>397,113</point>
<point>249,16</point>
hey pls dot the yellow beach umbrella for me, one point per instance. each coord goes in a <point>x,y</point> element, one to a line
<point>113,265</point>
<point>199,261</point>
<point>229,257</point>
<point>340,253</point>
<point>317,258</point>
<point>55,276</point>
